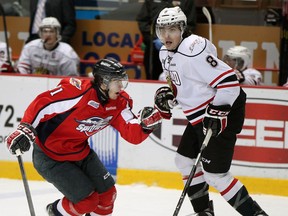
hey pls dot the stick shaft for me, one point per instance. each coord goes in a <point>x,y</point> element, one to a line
<point>209,19</point>
<point>26,186</point>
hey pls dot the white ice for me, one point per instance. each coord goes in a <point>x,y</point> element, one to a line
<point>132,200</point>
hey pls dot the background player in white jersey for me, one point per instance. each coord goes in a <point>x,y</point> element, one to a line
<point>239,58</point>
<point>210,96</point>
<point>59,123</point>
<point>5,65</point>
<point>48,55</point>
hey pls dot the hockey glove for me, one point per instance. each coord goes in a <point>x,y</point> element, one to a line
<point>240,76</point>
<point>215,118</point>
<point>165,101</point>
<point>7,68</point>
<point>149,118</point>
<point>21,138</point>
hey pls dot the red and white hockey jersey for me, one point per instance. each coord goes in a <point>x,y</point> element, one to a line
<point>62,60</point>
<point>66,116</point>
<point>198,77</point>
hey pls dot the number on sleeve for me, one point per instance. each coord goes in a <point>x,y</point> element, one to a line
<point>56,90</point>
<point>211,61</point>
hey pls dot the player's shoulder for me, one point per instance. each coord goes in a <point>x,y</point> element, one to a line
<point>75,84</point>
<point>252,71</point>
<point>193,45</point>
<point>67,50</point>
<point>34,43</point>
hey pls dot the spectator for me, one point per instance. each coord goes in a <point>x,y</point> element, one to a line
<point>212,100</point>
<point>5,61</point>
<point>59,123</point>
<point>48,55</point>
<point>62,10</point>
<point>239,58</point>
<point>146,23</point>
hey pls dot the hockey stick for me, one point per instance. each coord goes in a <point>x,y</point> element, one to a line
<point>192,173</point>
<point>208,16</point>
<point>5,33</point>
<point>25,182</point>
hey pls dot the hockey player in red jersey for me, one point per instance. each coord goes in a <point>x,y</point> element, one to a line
<point>209,94</point>
<point>59,122</point>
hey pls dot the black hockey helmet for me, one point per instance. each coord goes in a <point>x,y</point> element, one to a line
<point>107,70</point>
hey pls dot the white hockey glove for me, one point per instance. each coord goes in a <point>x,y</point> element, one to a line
<point>149,118</point>
<point>165,101</point>
<point>21,138</point>
<point>215,118</point>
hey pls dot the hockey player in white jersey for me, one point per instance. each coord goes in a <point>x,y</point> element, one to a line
<point>48,55</point>
<point>210,96</point>
<point>5,64</point>
<point>239,58</point>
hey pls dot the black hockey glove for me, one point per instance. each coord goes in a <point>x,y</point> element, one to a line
<point>215,118</point>
<point>164,101</point>
<point>240,76</point>
<point>21,138</point>
<point>150,119</point>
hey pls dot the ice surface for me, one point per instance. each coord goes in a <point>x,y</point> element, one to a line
<point>132,200</point>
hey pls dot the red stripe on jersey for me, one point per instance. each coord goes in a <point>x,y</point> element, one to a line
<point>199,107</point>
<point>196,122</point>
<point>25,66</point>
<point>228,86</point>
<point>229,187</point>
<point>221,75</point>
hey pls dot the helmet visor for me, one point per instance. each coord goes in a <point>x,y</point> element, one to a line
<point>118,83</point>
<point>168,31</point>
<point>235,63</point>
<point>230,61</point>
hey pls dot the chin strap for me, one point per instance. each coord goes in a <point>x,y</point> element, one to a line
<point>102,94</point>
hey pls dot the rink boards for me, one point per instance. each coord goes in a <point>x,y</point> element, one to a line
<point>261,152</point>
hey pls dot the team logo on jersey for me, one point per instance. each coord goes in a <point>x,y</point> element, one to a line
<point>175,78</point>
<point>92,125</point>
<point>93,104</point>
<point>197,41</point>
<point>76,82</point>
<point>169,59</point>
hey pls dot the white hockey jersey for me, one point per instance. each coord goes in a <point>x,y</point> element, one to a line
<point>4,54</point>
<point>198,77</point>
<point>62,60</point>
<point>252,77</point>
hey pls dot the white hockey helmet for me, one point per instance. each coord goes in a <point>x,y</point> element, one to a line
<point>169,17</point>
<point>240,54</point>
<point>51,22</point>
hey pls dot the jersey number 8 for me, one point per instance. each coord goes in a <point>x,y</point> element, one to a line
<point>211,61</point>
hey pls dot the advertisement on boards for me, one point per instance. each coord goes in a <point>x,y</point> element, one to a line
<point>261,148</point>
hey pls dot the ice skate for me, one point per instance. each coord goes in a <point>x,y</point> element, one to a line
<point>258,210</point>
<point>51,209</point>
<point>207,212</point>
